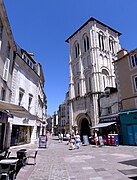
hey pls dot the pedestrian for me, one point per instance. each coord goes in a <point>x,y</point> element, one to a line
<point>68,138</point>
<point>46,138</point>
<point>61,137</point>
<point>72,142</point>
<point>77,140</point>
<point>96,137</point>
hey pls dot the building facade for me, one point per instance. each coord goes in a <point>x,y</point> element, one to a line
<point>22,98</point>
<point>55,123</point>
<point>92,50</point>
<point>7,58</point>
<point>126,73</point>
<point>27,91</point>
<point>62,118</point>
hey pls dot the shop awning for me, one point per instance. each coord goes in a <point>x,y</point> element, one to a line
<point>101,125</point>
<point>16,110</point>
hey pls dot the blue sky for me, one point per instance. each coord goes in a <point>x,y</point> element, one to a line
<point>42,26</point>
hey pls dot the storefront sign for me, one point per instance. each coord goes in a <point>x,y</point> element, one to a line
<point>109,119</point>
<point>25,121</point>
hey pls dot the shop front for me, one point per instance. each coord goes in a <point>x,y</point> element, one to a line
<point>9,124</point>
<point>109,129</point>
<point>4,130</point>
<point>21,134</point>
<point>128,121</point>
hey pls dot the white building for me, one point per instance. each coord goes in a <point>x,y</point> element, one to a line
<point>7,52</point>
<point>55,123</point>
<point>27,91</point>
<point>92,50</point>
<point>22,98</point>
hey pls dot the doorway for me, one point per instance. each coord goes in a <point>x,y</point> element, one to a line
<point>85,129</point>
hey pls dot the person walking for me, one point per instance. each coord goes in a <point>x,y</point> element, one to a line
<point>68,138</point>
<point>96,137</point>
<point>72,142</point>
<point>61,137</point>
<point>77,139</point>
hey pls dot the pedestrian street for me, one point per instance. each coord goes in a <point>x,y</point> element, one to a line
<point>57,162</point>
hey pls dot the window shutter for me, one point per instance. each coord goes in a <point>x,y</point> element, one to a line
<point>6,69</point>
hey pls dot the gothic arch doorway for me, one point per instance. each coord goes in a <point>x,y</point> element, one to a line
<point>84,128</point>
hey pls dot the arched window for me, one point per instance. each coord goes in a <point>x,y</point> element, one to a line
<point>101,40</point>
<point>83,62</point>
<point>77,88</point>
<point>105,78</point>
<point>86,43</point>
<point>88,83</point>
<point>77,68</point>
<point>74,69</point>
<point>111,44</point>
<point>88,62</point>
<point>76,49</point>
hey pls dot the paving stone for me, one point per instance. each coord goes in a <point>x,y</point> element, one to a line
<point>87,163</point>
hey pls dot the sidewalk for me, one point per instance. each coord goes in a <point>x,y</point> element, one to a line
<point>57,162</point>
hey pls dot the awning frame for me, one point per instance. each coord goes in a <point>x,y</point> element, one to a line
<point>16,110</point>
<point>101,125</point>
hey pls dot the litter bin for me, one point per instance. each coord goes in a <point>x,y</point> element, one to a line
<point>114,141</point>
<point>109,139</point>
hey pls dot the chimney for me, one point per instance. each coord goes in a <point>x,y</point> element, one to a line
<point>122,53</point>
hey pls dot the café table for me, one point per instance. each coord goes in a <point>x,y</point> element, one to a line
<point>8,167</point>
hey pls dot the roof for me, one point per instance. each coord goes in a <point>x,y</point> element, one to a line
<point>92,19</point>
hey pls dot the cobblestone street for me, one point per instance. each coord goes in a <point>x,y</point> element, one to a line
<point>57,162</point>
